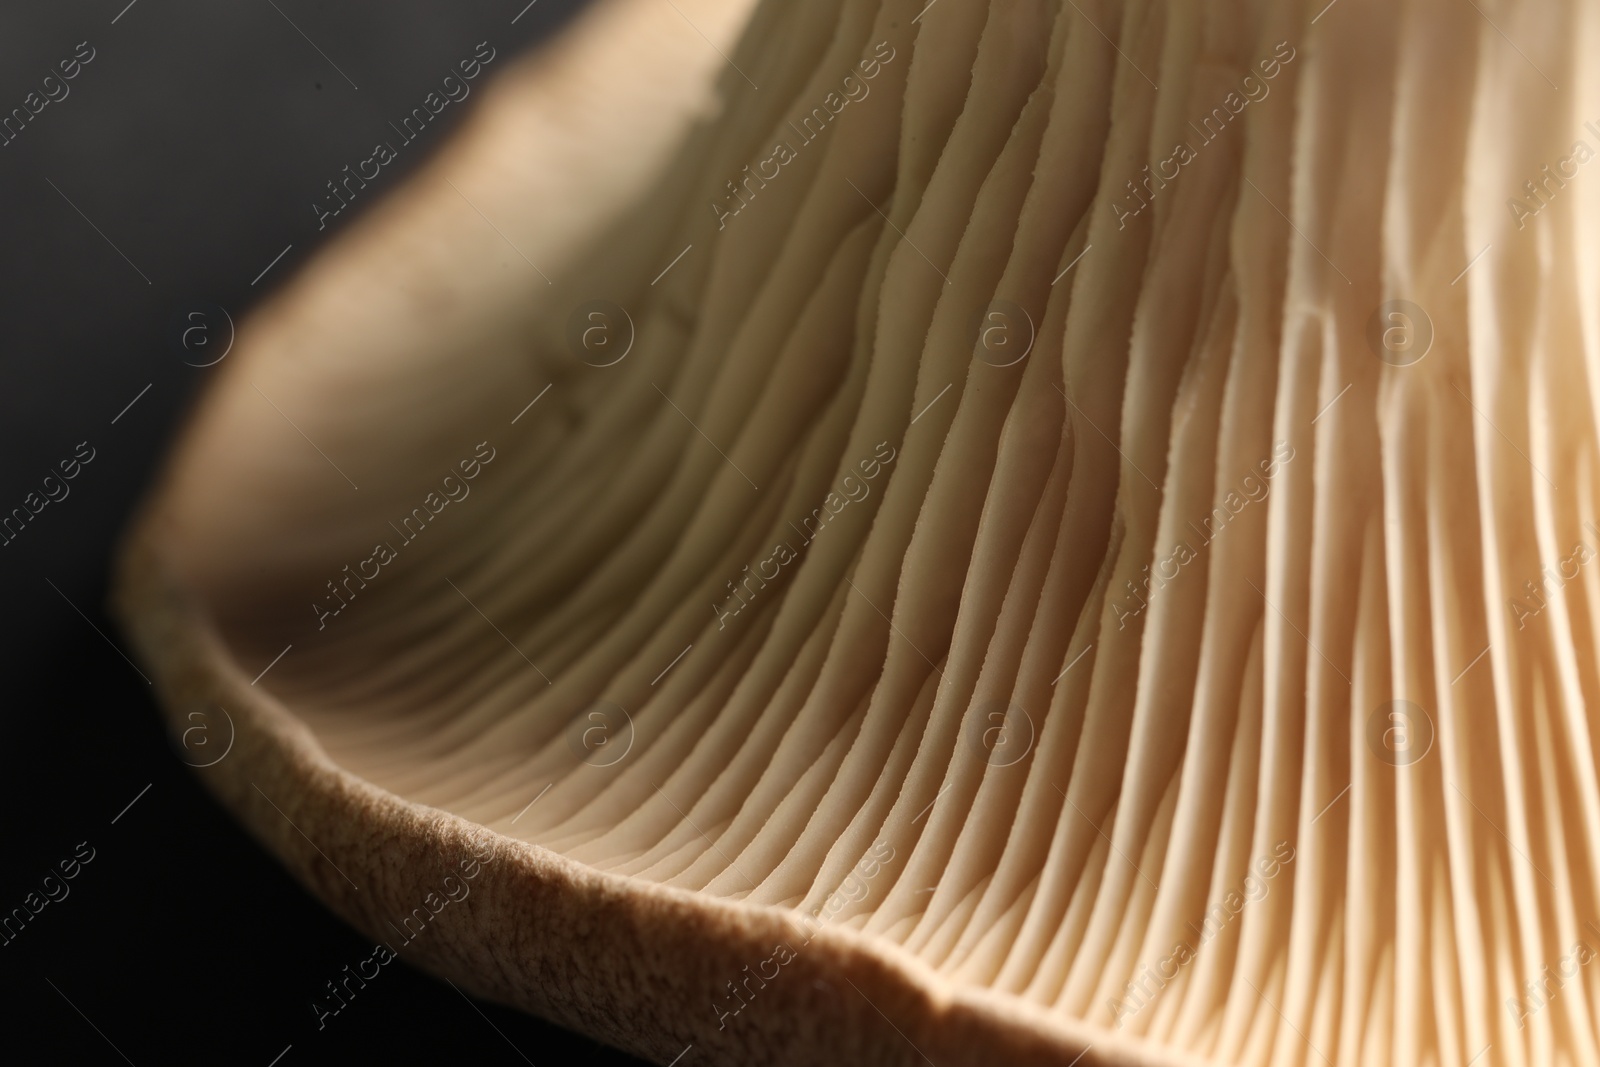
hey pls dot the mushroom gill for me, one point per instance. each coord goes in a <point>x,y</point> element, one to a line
<point>1012,531</point>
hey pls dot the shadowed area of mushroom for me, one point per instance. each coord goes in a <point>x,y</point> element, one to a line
<point>1096,495</point>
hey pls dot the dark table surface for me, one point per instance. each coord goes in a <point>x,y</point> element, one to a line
<point>174,173</point>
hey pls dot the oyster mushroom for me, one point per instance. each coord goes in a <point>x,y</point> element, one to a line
<point>1031,532</point>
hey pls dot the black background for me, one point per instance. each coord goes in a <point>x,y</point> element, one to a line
<point>190,148</point>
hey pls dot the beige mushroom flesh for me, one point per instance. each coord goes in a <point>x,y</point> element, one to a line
<point>886,532</point>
